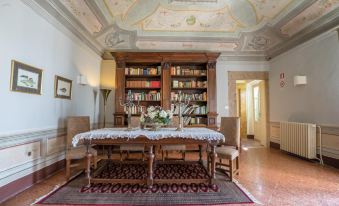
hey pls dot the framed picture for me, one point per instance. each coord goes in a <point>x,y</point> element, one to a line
<point>25,78</point>
<point>62,88</point>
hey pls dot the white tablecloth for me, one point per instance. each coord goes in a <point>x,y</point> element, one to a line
<point>115,133</point>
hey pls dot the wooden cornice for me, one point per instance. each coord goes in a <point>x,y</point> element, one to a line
<point>150,57</point>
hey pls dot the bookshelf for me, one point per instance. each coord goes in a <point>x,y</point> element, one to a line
<point>156,78</point>
<point>191,80</point>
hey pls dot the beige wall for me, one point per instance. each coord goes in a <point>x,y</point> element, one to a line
<point>107,81</point>
<point>317,102</point>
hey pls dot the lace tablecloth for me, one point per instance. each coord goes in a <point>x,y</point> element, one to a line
<point>115,133</point>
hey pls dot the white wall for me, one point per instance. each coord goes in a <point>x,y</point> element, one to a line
<point>318,101</point>
<point>27,37</point>
<point>223,67</point>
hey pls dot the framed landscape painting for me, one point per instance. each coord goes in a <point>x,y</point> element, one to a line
<point>26,78</point>
<point>63,88</point>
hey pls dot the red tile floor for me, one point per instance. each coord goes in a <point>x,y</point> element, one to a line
<point>271,176</point>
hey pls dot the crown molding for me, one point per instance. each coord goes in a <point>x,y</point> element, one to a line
<point>47,10</point>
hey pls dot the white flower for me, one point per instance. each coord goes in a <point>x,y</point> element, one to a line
<point>170,114</point>
<point>150,109</point>
<point>152,114</point>
<point>163,114</point>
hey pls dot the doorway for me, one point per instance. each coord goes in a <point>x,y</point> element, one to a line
<point>251,108</point>
<point>248,99</point>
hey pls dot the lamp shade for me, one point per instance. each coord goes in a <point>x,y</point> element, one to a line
<point>300,80</point>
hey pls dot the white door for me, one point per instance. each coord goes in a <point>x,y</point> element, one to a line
<point>259,110</point>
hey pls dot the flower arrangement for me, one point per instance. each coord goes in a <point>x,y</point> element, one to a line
<point>156,115</point>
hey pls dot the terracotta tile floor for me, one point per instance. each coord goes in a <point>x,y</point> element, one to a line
<point>271,176</point>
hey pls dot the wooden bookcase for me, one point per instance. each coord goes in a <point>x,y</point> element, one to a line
<point>156,78</point>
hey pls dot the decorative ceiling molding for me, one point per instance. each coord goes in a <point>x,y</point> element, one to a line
<point>257,29</point>
<point>81,11</point>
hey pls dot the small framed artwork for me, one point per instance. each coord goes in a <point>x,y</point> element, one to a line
<point>62,88</point>
<point>26,78</point>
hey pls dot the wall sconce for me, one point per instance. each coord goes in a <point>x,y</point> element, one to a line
<point>82,80</point>
<point>300,80</point>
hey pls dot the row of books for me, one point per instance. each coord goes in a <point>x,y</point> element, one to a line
<point>191,97</point>
<point>143,96</point>
<point>197,120</point>
<point>136,109</point>
<point>142,83</point>
<point>143,71</point>
<point>189,109</point>
<point>189,84</point>
<point>187,71</point>
<point>200,110</point>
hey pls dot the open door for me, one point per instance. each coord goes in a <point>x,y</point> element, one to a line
<point>259,112</point>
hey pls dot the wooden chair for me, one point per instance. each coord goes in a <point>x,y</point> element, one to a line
<point>76,125</point>
<point>135,122</point>
<point>229,150</point>
<point>173,147</point>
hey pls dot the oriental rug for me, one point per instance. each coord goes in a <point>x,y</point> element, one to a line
<point>75,192</point>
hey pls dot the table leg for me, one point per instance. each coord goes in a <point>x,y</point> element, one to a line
<point>109,152</point>
<point>88,167</point>
<point>200,153</point>
<point>213,156</point>
<point>150,157</point>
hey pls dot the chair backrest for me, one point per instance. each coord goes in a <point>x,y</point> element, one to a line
<point>230,128</point>
<point>76,125</point>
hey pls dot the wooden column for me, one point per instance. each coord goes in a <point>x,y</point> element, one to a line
<point>166,85</point>
<point>212,96</point>
<point>119,115</point>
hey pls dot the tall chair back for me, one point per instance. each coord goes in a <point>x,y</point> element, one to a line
<point>76,125</point>
<point>230,128</point>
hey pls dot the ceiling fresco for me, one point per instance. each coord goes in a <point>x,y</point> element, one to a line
<point>251,27</point>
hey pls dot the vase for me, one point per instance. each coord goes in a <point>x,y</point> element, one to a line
<point>154,126</point>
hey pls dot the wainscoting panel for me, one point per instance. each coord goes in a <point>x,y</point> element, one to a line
<point>22,155</point>
<point>56,144</point>
<point>330,141</point>
<point>18,155</point>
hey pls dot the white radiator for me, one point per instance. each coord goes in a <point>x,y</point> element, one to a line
<point>299,139</point>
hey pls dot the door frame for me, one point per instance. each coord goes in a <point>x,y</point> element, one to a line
<point>233,76</point>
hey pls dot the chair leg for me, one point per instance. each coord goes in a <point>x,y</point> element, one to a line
<point>162,155</point>
<point>237,164</point>
<point>184,156</point>
<point>208,164</point>
<point>95,161</point>
<point>68,169</point>
<point>231,170</point>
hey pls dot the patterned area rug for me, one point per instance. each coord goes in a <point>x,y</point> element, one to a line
<point>76,193</point>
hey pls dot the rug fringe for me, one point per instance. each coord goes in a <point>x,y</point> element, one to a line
<point>247,192</point>
<point>56,187</point>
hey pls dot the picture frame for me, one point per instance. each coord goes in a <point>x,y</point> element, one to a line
<point>25,78</point>
<point>62,87</point>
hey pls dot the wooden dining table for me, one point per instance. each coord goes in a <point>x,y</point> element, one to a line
<point>165,136</point>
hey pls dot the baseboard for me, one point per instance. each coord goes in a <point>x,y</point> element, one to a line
<point>327,160</point>
<point>331,161</point>
<point>274,145</point>
<point>250,136</point>
<point>27,181</point>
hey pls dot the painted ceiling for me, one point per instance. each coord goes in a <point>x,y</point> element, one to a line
<point>234,27</point>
